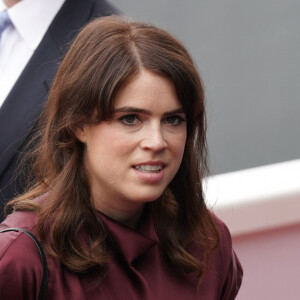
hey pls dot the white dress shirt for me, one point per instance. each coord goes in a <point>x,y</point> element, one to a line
<point>30,21</point>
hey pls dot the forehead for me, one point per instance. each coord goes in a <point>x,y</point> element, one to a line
<point>148,90</point>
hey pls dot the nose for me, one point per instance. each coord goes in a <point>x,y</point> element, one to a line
<point>153,139</point>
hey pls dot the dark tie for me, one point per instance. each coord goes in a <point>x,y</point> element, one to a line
<point>4,21</point>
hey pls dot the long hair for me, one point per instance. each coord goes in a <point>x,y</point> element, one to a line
<point>107,53</point>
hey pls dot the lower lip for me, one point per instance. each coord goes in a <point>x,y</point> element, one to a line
<point>150,177</point>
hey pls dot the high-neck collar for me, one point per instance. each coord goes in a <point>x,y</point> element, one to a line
<point>132,243</point>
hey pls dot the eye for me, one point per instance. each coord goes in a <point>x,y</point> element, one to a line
<point>174,120</point>
<point>129,119</point>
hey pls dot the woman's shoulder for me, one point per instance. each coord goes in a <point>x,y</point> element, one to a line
<point>20,265</point>
<point>21,219</point>
<point>223,272</point>
<point>13,243</point>
<point>226,261</point>
<point>224,234</point>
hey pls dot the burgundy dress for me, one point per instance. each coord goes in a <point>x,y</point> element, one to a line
<point>137,271</point>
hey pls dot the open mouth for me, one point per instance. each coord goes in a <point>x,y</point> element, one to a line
<point>149,168</point>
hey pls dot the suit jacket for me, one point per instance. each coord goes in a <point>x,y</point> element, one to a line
<point>24,103</point>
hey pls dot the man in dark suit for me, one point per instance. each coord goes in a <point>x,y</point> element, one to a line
<point>23,105</point>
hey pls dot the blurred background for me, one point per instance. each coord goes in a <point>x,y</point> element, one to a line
<point>248,54</point>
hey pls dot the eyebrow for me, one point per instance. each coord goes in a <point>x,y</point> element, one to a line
<point>147,112</point>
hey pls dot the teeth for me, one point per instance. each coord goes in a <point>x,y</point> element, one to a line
<point>149,168</point>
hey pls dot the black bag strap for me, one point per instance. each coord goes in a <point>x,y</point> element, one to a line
<point>44,283</point>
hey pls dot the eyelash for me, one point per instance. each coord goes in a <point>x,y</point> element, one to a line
<point>124,121</point>
<point>178,120</point>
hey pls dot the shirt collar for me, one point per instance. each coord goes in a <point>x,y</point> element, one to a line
<point>2,5</point>
<point>26,14</point>
<point>132,243</point>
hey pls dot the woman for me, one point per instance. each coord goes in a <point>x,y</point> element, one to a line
<point>118,199</point>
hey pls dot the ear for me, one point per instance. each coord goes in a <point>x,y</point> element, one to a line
<point>81,133</point>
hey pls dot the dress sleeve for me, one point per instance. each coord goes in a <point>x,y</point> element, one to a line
<point>20,267</point>
<point>233,270</point>
<point>234,278</point>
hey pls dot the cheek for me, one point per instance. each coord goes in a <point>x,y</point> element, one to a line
<point>122,146</point>
<point>179,144</point>
<point>111,148</point>
<point>177,150</point>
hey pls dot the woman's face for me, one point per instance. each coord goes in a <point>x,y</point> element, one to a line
<point>131,158</point>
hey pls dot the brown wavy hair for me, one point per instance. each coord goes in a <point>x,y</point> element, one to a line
<point>104,56</point>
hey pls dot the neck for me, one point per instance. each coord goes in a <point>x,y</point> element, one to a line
<point>130,221</point>
<point>10,3</point>
<point>127,216</point>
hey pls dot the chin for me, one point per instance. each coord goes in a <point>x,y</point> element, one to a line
<point>144,198</point>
